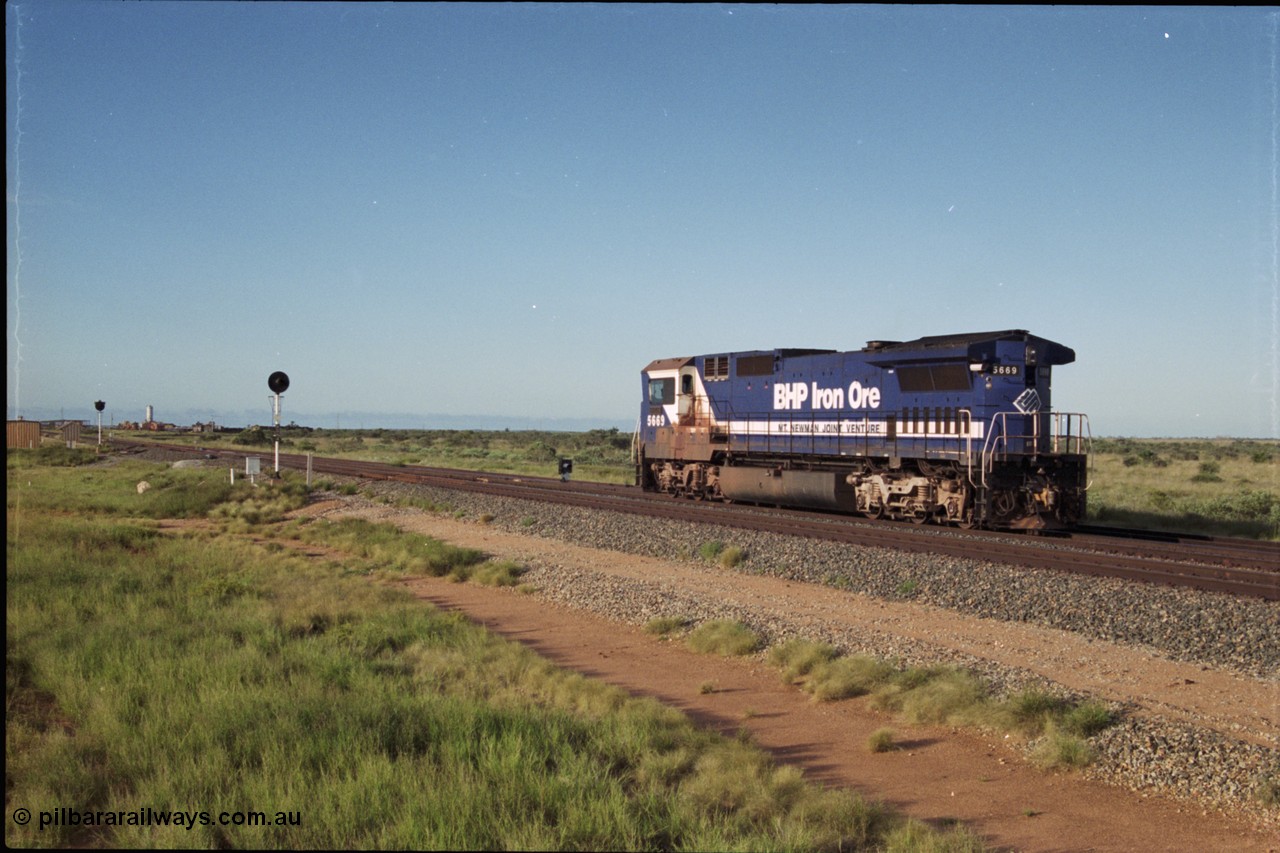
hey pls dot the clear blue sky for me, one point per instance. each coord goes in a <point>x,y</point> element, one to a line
<point>508,210</point>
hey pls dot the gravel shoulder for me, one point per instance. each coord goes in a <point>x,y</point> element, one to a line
<point>1201,724</point>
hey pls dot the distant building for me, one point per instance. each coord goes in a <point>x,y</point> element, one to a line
<point>22,434</point>
<point>70,432</point>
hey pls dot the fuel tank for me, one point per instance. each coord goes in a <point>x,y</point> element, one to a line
<point>814,489</point>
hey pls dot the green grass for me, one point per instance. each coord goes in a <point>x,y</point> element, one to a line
<point>385,547</point>
<point>1218,487</point>
<point>54,455</point>
<point>216,672</point>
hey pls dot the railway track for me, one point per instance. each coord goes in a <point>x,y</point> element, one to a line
<point>1232,566</point>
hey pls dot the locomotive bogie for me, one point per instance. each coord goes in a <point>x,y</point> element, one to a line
<point>688,479</point>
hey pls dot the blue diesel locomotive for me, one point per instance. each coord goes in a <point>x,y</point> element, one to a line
<point>953,429</point>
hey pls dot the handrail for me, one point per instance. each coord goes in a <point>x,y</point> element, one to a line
<point>1061,441</point>
<point>968,445</point>
<point>635,442</point>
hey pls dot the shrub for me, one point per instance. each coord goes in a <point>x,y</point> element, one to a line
<point>1266,789</point>
<point>540,451</point>
<point>796,658</point>
<point>933,695</point>
<point>881,740</point>
<point>732,556</point>
<point>723,637</point>
<point>252,435</point>
<point>664,625</point>
<point>918,837</point>
<point>1032,710</point>
<point>844,677</point>
<point>1087,719</point>
<point>1208,473</point>
<point>497,573</point>
<point>265,509</point>
<point>1060,749</point>
<point>710,551</point>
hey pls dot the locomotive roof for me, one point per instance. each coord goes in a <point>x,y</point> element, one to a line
<point>968,343</point>
<point>668,363</point>
<point>963,339</point>
<point>962,345</point>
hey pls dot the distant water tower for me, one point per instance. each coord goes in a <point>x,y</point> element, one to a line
<point>150,413</point>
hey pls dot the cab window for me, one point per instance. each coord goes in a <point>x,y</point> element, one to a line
<point>662,392</point>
